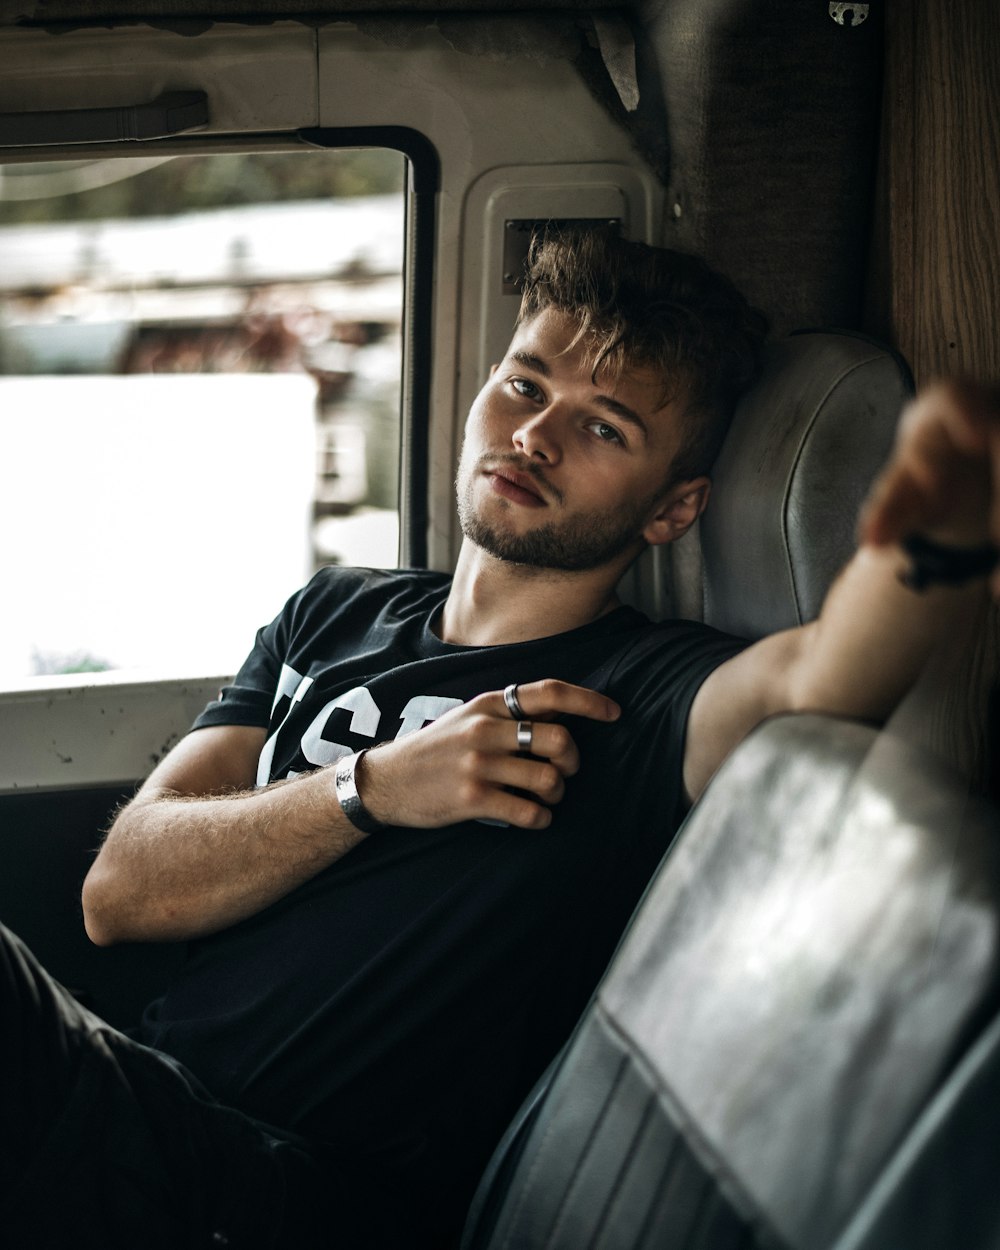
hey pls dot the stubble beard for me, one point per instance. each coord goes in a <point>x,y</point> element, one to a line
<point>574,545</point>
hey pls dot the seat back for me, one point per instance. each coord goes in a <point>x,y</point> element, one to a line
<point>805,444</point>
<point>811,962</point>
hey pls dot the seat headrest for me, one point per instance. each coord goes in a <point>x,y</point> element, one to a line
<point>805,443</point>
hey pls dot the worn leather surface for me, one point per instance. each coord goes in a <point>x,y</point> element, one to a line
<point>804,446</point>
<point>940,1188</point>
<point>809,960</point>
<point>783,1018</point>
<point>607,1170</point>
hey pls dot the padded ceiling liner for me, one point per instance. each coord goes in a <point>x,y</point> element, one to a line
<point>45,12</point>
<point>759,117</point>
<point>597,36</point>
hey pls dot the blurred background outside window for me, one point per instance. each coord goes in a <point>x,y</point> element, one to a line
<point>199,399</point>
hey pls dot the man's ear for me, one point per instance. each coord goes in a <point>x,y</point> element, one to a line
<point>677,511</point>
<point>493,369</point>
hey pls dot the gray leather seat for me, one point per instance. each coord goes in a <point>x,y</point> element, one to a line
<point>805,443</point>
<point>798,1042</point>
<point>793,1046</point>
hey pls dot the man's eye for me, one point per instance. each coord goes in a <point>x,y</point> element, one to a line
<point>607,433</point>
<point>524,387</point>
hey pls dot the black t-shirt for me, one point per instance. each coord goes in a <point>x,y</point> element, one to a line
<point>398,1006</point>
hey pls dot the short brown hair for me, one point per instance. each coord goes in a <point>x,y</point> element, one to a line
<point>650,306</point>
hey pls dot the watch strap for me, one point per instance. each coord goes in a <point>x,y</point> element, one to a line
<point>346,785</point>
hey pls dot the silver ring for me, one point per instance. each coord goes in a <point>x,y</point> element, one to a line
<point>513,704</point>
<point>525,732</point>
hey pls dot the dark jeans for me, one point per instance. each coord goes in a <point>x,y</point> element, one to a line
<point>107,1144</point>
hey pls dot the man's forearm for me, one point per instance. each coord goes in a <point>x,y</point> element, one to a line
<point>186,858</point>
<point>874,635</point>
<point>175,867</point>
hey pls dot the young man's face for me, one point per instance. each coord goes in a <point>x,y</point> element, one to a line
<point>560,471</point>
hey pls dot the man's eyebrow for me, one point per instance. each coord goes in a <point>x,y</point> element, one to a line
<point>527,360</point>
<point>618,409</point>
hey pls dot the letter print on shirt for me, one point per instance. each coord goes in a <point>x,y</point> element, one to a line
<point>421,710</point>
<point>293,686</point>
<point>365,721</point>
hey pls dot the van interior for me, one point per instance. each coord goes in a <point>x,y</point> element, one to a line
<point>798,1042</point>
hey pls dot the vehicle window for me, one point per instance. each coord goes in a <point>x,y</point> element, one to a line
<point>199,375</point>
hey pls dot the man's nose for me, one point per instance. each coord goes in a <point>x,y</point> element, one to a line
<point>538,438</point>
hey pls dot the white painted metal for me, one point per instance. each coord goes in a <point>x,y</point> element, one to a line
<point>258,78</point>
<point>94,729</point>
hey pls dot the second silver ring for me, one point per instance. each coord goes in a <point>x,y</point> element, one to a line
<point>525,732</point>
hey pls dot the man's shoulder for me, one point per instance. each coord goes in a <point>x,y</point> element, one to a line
<point>340,583</point>
<point>340,575</point>
<point>667,660</point>
<point>678,634</point>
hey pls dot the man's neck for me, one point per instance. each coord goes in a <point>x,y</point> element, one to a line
<point>493,601</point>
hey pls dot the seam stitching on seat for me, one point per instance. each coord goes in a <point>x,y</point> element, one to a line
<point>796,460</point>
<point>743,1202</point>
<point>630,1154</point>
<point>585,1152</point>
<point>533,1171</point>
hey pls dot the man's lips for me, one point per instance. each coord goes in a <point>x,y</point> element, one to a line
<point>517,487</point>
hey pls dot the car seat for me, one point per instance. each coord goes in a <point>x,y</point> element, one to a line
<point>797,1042</point>
<point>804,445</point>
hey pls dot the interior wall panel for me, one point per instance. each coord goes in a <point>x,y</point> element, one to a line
<point>936,281</point>
<point>934,288</point>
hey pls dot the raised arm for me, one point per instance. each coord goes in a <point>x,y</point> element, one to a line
<point>874,633</point>
<point>198,849</point>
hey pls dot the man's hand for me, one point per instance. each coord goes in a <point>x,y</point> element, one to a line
<point>467,765</point>
<point>943,478</point>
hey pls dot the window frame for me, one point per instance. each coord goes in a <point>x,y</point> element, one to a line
<point>160,706</point>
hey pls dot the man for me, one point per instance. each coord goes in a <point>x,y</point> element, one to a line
<point>388,945</point>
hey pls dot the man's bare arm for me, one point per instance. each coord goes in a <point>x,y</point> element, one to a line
<point>874,634</point>
<point>197,850</point>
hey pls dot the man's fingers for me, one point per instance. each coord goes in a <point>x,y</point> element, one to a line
<point>542,700</point>
<point>512,809</point>
<point>553,743</point>
<point>937,480</point>
<point>970,411</point>
<point>894,507</point>
<point>494,737</point>
<point>537,777</point>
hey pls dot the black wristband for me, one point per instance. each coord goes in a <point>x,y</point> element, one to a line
<point>346,787</point>
<point>938,564</point>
